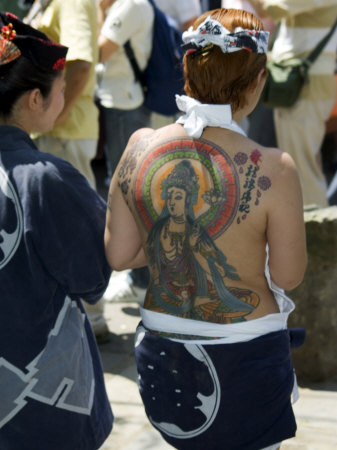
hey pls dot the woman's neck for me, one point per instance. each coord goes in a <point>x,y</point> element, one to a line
<point>17,118</point>
<point>20,116</point>
<point>12,123</point>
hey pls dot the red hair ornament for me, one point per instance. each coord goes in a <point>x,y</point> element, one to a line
<point>8,50</point>
<point>18,38</point>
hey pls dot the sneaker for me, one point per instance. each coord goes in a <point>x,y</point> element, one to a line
<point>120,289</point>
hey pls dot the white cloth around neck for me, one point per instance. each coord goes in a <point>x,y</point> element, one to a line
<point>201,115</point>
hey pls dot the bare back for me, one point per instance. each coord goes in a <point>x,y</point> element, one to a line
<point>202,207</point>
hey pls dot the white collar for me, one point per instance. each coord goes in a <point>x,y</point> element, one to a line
<point>199,115</point>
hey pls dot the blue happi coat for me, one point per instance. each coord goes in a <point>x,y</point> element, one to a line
<point>51,256</point>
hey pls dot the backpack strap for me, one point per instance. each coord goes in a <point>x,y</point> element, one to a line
<point>319,47</point>
<point>133,61</point>
<point>38,7</point>
<point>134,64</point>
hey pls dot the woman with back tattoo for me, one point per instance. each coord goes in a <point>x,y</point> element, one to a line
<point>218,219</point>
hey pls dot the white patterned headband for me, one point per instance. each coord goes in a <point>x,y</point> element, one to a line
<point>211,31</point>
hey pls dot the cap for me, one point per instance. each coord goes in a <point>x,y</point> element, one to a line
<point>18,38</point>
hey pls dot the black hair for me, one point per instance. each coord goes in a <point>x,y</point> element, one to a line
<point>19,77</point>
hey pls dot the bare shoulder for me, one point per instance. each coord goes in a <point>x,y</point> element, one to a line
<point>136,146</point>
<point>145,138</point>
<point>139,138</point>
<point>279,160</point>
<point>139,144</point>
<point>285,171</point>
<point>280,166</point>
<point>142,138</point>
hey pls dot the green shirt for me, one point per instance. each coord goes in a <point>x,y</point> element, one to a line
<point>18,7</point>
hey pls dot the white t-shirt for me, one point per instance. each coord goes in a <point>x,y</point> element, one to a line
<point>268,24</point>
<point>126,19</point>
<point>180,10</point>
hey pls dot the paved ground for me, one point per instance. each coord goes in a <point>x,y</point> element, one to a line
<point>316,410</point>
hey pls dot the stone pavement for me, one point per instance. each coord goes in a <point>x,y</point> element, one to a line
<point>316,410</point>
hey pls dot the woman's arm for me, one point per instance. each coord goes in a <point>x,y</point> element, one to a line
<point>285,229</point>
<point>106,48</point>
<point>123,244</point>
<point>105,45</point>
<point>76,78</point>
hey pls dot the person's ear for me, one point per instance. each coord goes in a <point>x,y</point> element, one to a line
<point>35,99</point>
<point>261,77</point>
<point>259,82</point>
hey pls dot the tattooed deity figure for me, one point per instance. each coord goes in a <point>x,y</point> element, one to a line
<point>189,270</point>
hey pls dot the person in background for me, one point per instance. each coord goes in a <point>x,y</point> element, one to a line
<point>183,12</point>
<point>331,160</point>
<point>246,5</point>
<point>259,125</point>
<point>207,5</point>
<point>75,133</point>
<point>121,99</point>
<point>120,96</point>
<point>300,129</point>
<point>51,257</point>
<point>219,220</point>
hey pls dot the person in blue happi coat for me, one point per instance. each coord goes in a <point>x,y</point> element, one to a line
<point>51,257</point>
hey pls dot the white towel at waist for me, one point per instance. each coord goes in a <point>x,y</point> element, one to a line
<point>227,333</point>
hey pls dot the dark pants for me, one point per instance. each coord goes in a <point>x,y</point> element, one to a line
<point>140,277</point>
<point>261,126</point>
<point>119,124</point>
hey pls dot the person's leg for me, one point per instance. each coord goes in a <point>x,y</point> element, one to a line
<point>139,118</point>
<point>300,132</point>
<point>118,127</point>
<point>332,191</point>
<point>140,277</point>
<point>119,124</point>
<point>261,127</point>
<point>83,151</point>
<point>97,320</point>
<point>113,147</point>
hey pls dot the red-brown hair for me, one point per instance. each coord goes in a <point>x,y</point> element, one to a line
<point>223,78</point>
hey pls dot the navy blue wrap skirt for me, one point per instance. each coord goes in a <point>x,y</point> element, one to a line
<point>217,397</point>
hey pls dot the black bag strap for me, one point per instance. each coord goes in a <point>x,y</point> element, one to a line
<point>134,64</point>
<point>319,47</point>
<point>139,76</point>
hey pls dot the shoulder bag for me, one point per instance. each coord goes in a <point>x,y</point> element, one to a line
<point>286,79</point>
